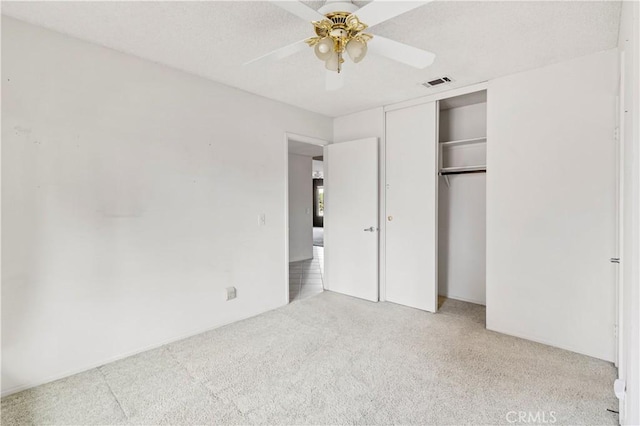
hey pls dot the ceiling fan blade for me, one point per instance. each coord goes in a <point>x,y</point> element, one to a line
<point>400,52</point>
<point>377,12</point>
<point>281,53</point>
<point>301,10</point>
<point>334,80</point>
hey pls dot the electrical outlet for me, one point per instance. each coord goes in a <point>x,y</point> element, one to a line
<point>262,219</point>
<point>231,293</point>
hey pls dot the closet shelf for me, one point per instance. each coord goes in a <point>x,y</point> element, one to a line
<point>462,170</point>
<point>464,142</point>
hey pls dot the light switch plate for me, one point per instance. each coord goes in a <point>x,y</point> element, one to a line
<point>231,293</point>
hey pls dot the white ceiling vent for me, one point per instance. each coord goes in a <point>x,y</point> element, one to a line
<point>437,82</point>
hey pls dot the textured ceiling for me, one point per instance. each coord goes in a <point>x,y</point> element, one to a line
<point>473,42</point>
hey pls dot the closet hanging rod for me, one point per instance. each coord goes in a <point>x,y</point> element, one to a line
<point>461,172</point>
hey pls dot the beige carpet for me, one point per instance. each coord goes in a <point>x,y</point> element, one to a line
<point>332,359</point>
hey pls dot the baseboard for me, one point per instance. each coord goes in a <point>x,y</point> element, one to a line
<point>300,259</point>
<point>464,299</point>
<point>525,336</point>
<point>174,339</point>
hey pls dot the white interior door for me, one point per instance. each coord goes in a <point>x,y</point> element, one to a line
<point>411,207</point>
<point>351,218</point>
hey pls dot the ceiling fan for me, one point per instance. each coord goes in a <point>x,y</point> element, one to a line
<point>339,27</point>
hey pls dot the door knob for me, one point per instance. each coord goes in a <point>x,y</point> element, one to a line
<point>370,229</point>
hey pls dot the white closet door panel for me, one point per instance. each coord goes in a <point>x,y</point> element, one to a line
<point>411,207</point>
<point>551,204</point>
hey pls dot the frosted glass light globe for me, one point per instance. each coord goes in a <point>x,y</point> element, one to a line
<point>324,48</point>
<point>332,63</point>
<point>357,50</point>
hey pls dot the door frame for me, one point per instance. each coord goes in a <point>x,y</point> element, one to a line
<point>620,360</point>
<point>289,136</point>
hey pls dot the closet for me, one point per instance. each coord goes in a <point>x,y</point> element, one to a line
<point>500,194</point>
<point>435,201</point>
<point>462,165</point>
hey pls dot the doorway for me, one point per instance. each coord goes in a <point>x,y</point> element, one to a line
<point>318,201</point>
<point>350,219</point>
<point>305,219</point>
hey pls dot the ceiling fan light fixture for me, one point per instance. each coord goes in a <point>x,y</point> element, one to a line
<point>340,31</point>
<point>357,49</point>
<point>338,28</point>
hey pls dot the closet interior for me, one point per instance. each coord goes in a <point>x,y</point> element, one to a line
<point>462,155</point>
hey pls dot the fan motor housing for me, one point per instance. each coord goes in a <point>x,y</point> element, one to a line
<point>334,6</point>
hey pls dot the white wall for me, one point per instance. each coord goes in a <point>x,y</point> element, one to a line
<point>551,204</point>
<point>360,125</point>
<point>131,197</point>
<point>466,122</point>
<point>300,208</point>
<point>630,329</point>
<point>462,209</point>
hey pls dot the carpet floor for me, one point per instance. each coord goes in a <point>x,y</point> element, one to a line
<point>333,359</point>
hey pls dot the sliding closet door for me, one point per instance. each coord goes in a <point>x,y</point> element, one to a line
<point>551,204</point>
<point>411,207</point>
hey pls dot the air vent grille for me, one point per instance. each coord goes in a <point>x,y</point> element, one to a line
<point>437,82</point>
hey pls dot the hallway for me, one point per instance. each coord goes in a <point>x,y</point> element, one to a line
<point>306,276</point>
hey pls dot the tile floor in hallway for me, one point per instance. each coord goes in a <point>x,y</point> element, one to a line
<point>306,276</point>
